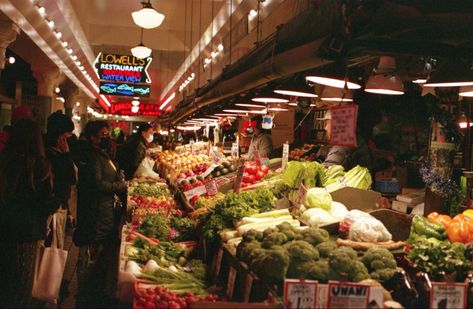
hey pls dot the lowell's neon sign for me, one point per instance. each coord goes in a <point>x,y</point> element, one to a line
<point>122,69</point>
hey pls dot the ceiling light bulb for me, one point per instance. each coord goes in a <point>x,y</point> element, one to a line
<point>147,17</point>
<point>141,51</point>
<point>51,24</point>
<point>420,81</point>
<point>11,60</point>
<point>81,67</point>
<point>69,51</point>
<point>64,43</point>
<point>57,90</point>
<point>78,63</point>
<point>207,60</point>
<point>220,47</point>
<point>41,10</point>
<point>58,34</point>
<point>74,57</point>
<point>213,54</point>
<point>253,13</point>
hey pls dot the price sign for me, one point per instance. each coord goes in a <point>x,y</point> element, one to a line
<point>285,155</point>
<point>238,179</point>
<point>448,295</point>
<point>348,295</point>
<point>232,272</point>
<point>300,195</point>
<point>209,170</point>
<point>343,125</point>
<point>211,187</point>
<point>300,294</point>
<point>235,150</point>
<point>201,190</point>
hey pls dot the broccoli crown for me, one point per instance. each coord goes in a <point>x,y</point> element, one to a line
<point>269,231</point>
<point>250,235</point>
<point>378,258</point>
<point>383,274</point>
<point>273,239</point>
<point>289,234</point>
<point>315,236</point>
<point>259,236</point>
<point>272,265</point>
<point>300,250</point>
<point>358,272</point>
<point>245,250</point>
<point>326,247</point>
<point>341,259</point>
<point>319,270</point>
<point>285,226</point>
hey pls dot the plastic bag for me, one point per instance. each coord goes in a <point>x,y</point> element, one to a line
<point>145,169</point>
<point>369,229</point>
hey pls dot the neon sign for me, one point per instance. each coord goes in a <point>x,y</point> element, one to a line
<point>123,75</point>
<point>125,109</point>
<point>125,89</point>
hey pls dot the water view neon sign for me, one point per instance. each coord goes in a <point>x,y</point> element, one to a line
<point>123,75</point>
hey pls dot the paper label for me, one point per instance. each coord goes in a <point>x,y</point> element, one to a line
<point>285,155</point>
<point>348,295</point>
<point>235,150</point>
<point>448,295</point>
<point>239,178</point>
<point>299,294</point>
<point>211,187</point>
<point>343,125</point>
<point>209,170</point>
<point>232,272</point>
<point>201,190</point>
<point>301,193</point>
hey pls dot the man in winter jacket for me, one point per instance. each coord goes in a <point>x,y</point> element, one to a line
<point>133,151</point>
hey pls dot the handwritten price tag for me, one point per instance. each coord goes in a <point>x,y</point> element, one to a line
<point>285,155</point>
<point>448,295</point>
<point>300,294</point>
<point>348,295</point>
<point>343,125</point>
<point>235,150</point>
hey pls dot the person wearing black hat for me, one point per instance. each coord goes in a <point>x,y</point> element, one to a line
<point>131,154</point>
<point>59,129</point>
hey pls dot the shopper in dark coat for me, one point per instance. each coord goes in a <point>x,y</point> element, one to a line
<point>26,201</point>
<point>96,233</point>
<point>59,129</point>
<point>131,154</point>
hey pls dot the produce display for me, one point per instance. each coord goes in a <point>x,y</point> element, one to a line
<point>253,173</point>
<point>172,164</point>
<point>307,152</point>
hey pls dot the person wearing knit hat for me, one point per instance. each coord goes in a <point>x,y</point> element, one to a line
<point>59,129</point>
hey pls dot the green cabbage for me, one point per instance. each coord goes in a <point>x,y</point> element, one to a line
<point>318,198</point>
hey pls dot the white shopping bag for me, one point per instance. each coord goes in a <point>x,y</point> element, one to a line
<point>145,169</point>
<point>49,269</point>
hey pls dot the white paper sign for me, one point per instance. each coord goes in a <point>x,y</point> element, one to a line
<point>300,294</point>
<point>448,295</point>
<point>285,155</point>
<point>348,295</point>
<point>235,150</point>
<point>343,125</point>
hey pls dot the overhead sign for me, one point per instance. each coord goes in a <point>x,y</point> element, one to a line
<point>123,75</point>
<point>125,109</point>
<point>130,90</point>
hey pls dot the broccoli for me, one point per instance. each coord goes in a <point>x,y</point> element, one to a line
<point>315,236</point>
<point>358,272</point>
<point>259,236</point>
<point>273,239</point>
<point>378,258</point>
<point>250,235</point>
<point>326,247</point>
<point>319,270</point>
<point>245,250</point>
<point>271,265</point>
<point>301,251</point>
<point>269,231</point>
<point>285,226</point>
<point>341,259</point>
<point>289,234</point>
<point>383,274</point>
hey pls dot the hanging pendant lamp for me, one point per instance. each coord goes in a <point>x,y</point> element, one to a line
<point>332,94</point>
<point>452,73</point>
<point>296,88</point>
<point>147,17</point>
<point>334,75</point>
<point>140,51</point>
<point>384,79</point>
<point>270,97</point>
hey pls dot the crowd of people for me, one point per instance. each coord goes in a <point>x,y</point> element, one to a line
<point>37,174</point>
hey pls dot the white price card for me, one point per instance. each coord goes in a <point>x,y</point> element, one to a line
<point>343,125</point>
<point>347,295</point>
<point>285,155</point>
<point>235,150</point>
<point>300,294</point>
<point>448,295</point>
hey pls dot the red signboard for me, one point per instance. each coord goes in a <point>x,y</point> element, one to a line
<point>125,109</point>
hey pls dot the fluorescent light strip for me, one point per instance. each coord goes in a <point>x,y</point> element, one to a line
<point>105,100</point>
<point>167,101</point>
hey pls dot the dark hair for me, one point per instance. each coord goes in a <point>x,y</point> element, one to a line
<point>58,123</point>
<point>23,160</point>
<point>94,127</point>
<point>143,128</point>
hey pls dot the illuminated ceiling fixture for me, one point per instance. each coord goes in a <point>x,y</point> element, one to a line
<point>296,88</point>
<point>384,79</point>
<point>147,17</point>
<point>334,75</point>
<point>135,103</point>
<point>269,97</point>
<point>462,121</point>
<point>236,111</point>
<point>452,73</point>
<point>225,115</point>
<point>466,92</point>
<point>277,108</point>
<point>189,128</point>
<point>332,94</point>
<point>140,51</point>
<point>250,105</point>
<point>419,81</point>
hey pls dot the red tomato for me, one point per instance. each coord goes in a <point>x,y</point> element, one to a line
<point>264,169</point>
<point>259,175</point>
<point>252,170</point>
<point>244,184</point>
<point>251,179</point>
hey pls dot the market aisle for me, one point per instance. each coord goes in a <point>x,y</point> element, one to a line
<point>69,286</point>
